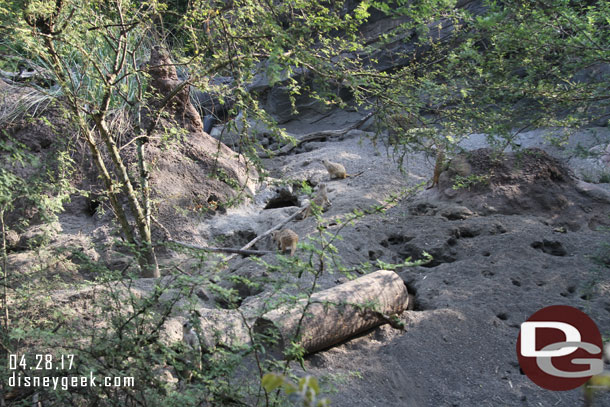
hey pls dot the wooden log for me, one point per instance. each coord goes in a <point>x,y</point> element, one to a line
<point>315,136</point>
<point>338,313</point>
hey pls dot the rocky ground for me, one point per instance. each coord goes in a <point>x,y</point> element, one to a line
<point>530,237</point>
<point>533,238</point>
<point>536,233</point>
<point>501,253</point>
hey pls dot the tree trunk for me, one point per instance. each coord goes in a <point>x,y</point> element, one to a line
<point>4,274</point>
<point>146,252</point>
<point>151,268</point>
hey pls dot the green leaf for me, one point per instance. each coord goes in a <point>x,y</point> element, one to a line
<point>272,381</point>
<point>309,382</point>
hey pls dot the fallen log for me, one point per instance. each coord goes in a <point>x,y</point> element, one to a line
<point>315,136</point>
<point>336,314</point>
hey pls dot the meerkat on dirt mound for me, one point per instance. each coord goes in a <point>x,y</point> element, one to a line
<point>286,238</point>
<point>321,201</point>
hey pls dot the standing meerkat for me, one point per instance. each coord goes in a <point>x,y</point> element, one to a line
<point>286,238</point>
<point>191,340</point>
<point>439,167</point>
<point>335,170</point>
<point>320,201</point>
<point>189,336</point>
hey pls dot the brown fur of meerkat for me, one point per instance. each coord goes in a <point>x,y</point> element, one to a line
<point>321,201</point>
<point>286,238</point>
<point>335,170</point>
<point>439,167</point>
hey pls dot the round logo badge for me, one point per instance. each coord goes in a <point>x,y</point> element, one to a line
<point>560,348</point>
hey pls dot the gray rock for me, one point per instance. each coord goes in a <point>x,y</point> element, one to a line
<point>456,212</point>
<point>593,191</point>
<point>12,239</point>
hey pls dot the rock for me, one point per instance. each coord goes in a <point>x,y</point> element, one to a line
<point>203,294</point>
<point>284,196</point>
<point>357,133</point>
<point>605,157</point>
<point>37,236</point>
<point>456,212</point>
<point>167,376</point>
<point>277,196</point>
<point>460,166</point>
<point>593,191</point>
<point>279,105</point>
<point>83,254</point>
<point>114,260</point>
<point>209,103</point>
<point>226,136</point>
<point>404,48</point>
<point>450,192</point>
<point>12,239</point>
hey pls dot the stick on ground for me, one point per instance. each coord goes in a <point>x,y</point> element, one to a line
<point>268,232</point>
<point>316,135</point>
<point>244,250</point>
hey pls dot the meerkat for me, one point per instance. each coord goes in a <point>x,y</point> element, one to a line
<point>286,238</point>
<point>439,167</point>
<point>320,201</point>
<point>334,169</point>
<point>191,340</point>
<point>189,336</point>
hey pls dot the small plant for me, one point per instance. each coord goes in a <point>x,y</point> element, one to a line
<point>305,187</point>
<point>304,393</point>
<point>461,182</point>
<point>604,178</point>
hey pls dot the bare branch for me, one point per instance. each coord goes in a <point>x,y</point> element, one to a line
<point>316,135</point>
<point>222,249</point>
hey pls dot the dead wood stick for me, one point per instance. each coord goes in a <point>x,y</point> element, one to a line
<point>222,249</point>
<point>244,250</point>
<point>316,135</point>
<point>168,235</point>
<point>23,76</point>
<point>268,232</point>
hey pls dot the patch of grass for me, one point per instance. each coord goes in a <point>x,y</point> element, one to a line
<point>604,178</point>
<point>469,181</point>
<point>590,177</point>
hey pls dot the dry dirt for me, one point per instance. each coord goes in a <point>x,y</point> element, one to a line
<point>531,235</point>
<point>524,239</point>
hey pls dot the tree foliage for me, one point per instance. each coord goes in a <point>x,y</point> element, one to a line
<point>500,69</point>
